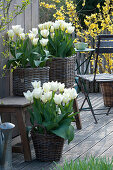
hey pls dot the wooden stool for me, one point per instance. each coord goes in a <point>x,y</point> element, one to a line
<point>18,105</point>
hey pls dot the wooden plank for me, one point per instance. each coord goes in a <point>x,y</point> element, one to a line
<point>102,146</point>
<point>106,43</point>
<point>35,13</point>
<point>28,18</point>
<point>21,17</point>
<point>105,50</point>
<point>106,36</point>
<point>16,101</point>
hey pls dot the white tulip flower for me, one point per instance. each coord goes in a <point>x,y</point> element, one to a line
<point>10,34</point>
<point>43,42</point>
<point>56,25</point>
<point>54,86</point>
<point>22,36</point>
<point>37,93</point>
<point>52,29</point>
<point>31,36</point>
<point>29,96</point>
<point>73,93</point>
<point>35,40</point>
<point>35,31</point>
<point>70,29</point>
<point>17,29</point>
<point>43,98</point>
<point>36,84</point>
<point>48,95</point>
<point>52,35</point>
<point>46,87</point>
<point>66,98</point>
<point>67,90</point>
<point>63,27</point>
<point>41,26</point>
<point>58,99</point>
<point>48,24</point>
<point>60,22</point>
<point>61,87</point>
<point>44,33</point>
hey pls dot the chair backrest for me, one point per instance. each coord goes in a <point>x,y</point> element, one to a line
<point>104,44</point>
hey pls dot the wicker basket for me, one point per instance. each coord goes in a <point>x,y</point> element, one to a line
<point>22,78</point>
<point>107,91</point>
<point>48,147</point>
<point>62,70</point>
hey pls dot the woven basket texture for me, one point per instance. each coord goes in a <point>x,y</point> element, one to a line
<point>62,70</point>
<point>22,78</point>
<point>48,147</point>
<point>107,91</point>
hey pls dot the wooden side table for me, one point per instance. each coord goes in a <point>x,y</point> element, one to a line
<point>18,106</point>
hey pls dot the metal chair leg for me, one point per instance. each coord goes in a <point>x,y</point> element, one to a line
<point>83,88</point>
<point>90,106</point>
<point>108,111</point>
<point>82,104</point>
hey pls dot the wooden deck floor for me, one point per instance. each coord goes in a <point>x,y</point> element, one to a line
<point>93,139</point>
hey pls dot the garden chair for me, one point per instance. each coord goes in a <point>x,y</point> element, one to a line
<point>104,45</point>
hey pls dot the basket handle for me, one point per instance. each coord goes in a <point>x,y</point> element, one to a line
<point>38,125</point>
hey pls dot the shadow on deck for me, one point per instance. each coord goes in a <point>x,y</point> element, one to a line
<point>93,139</point>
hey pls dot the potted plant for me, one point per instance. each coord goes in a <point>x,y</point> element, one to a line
<point>51,116</point>
<point>60,46</point>
<point>29,56</point>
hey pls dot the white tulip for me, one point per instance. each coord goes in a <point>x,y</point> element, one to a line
<point>60,22</point>
<point>58,99</point>
<point>56,25</point>
<point>73,93</point>
<point>10,33</point>
<point>48,95</point>
<point>52,35</point>
<point>17,29</point>
<point>36,84</point>
<point>47,25</point>
<point>67,90</point>
<point>66,97</point>
<point>61,87</point>
<point>59,111</point>
<point>63,27</point>
<point>35,40</point>
<point>29,96</point>
<point>70,29</point>
<point>41,26</point>
<point>54,86</point>
<point>35,31</point>
<point>43,98</point>
<point>31,36</point>
<point>44,33</point>
<point>43,42</point>
<point>37,93</point>
<point>52,29</point>
<point>46,87</point>
<point>22,36</point>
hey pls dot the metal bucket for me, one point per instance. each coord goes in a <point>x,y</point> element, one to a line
<point>5,146</point>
